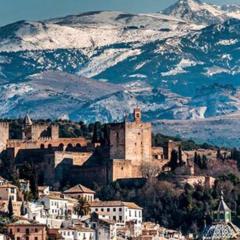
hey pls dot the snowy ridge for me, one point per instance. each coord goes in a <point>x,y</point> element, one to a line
<point>96,29</point>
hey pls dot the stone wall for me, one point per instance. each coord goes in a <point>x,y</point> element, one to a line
<point>90,175</point>
<point>77,158</point>
<point>40,131</point>
<point>54,131</point>
<point>43,143</point>
<point>117,141</point>
<point>120,168</point>
<point>197,180</point>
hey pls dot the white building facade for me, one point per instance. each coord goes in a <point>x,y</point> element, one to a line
<point>120,212</point>
<point>77,233</point>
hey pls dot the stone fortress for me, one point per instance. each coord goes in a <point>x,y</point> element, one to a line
<point>35,135</point>
<point>77,160</point>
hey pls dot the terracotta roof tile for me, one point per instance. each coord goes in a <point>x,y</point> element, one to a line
<point>79,189</point>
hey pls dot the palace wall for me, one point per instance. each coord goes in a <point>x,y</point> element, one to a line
<point>77,158</point>
<point>40,131</point>
<point>117,141</point>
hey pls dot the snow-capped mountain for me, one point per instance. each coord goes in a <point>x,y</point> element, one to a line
<point>99,65</point>
<point>91,30</point>
<point>202,13</point>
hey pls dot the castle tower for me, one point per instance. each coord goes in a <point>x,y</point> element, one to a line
<point>4,134</point>
<point>131,140</point>
<point>137,115</point>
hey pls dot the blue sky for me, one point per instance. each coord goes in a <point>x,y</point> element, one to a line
<point>14,10</point>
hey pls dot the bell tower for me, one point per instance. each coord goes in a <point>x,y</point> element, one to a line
<point>224,212</point>
<point>137,115</point>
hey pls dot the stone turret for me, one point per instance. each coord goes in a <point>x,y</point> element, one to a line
<point>27,121</point>
<point>27,128</point>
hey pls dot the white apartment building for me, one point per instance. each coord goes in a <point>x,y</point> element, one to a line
<point>7,191</point>
<point>77,233</point>
<point>57,207</point>
<point>120,212</point>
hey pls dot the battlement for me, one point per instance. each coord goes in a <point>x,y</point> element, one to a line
<point>4,124</point>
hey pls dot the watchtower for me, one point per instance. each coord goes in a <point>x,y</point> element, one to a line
<point>4,134</point>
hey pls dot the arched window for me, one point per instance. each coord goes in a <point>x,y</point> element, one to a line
<point>69,147</point>
<point>61,147</point>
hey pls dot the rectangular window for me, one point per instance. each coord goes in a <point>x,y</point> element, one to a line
<point>108,209</point>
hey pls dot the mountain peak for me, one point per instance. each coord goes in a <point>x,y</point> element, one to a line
<point>196,11</point>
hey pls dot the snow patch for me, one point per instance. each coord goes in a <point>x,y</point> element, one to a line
<point>227,42</point>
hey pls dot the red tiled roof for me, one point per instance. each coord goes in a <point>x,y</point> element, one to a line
<point>79,189</point>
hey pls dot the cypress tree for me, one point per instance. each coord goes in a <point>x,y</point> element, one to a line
<point>22,210</point>
<point>10,208</point>
<point>174,160</point>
